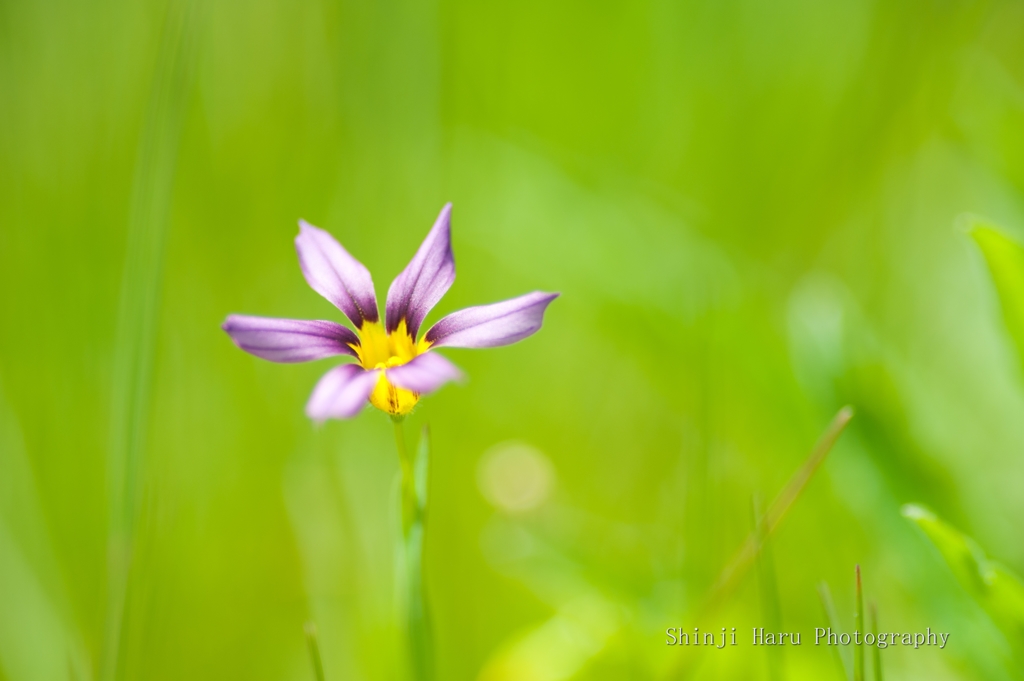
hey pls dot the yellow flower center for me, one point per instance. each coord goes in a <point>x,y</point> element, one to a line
<point>378,349</point>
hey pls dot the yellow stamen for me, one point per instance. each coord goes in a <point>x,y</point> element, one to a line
<point>378,349</point>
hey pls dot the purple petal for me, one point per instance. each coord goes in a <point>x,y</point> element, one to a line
<point>341,393</point>
<point>424,374</point>
<point>335,274</point>
<point>488,326</point>
<point>425,279</point>
<point>289,340</point>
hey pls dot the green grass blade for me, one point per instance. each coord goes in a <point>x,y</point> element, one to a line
<point>828,605</point>
<point>858,626</point>
<point>771,606</point>
<point>1005,259</point>
<point>876,652</point>
<point>743,558</point>
<point>737,568</point>
<point>314,651</point>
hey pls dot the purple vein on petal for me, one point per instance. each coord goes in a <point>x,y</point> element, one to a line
<point>289,340</point>
<point>333,273</point>
<point>341,393</point>
<point>426,278</point>
<point>424,374</point>
<point>488,326</point>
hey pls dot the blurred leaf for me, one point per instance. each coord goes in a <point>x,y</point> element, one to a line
<point>1005,259</point>
<point>998,591</point>
<point>138,317</point>
<point>38,636</point>
<point>559,648</point>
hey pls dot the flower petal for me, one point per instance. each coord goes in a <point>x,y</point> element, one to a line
<point>341,393</point>
<point>425,279</point>
<point>289,340</point>
<point>336,275</point>
<point>488,326</point>
<point>424,374</point>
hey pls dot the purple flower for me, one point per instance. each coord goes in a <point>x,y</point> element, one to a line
<point>393,369</point>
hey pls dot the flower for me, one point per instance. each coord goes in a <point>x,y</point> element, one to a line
<point>392,368</point>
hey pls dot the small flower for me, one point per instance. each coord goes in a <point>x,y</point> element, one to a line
<point>393,369</point>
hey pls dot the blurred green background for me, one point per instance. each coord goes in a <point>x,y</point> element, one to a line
<point>754,213</point>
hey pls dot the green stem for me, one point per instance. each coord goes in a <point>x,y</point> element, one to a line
<point>409,505</point>
<point>414,506</point>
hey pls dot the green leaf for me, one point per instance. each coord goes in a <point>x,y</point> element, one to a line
<point>1005,259</point>
<point>998,591</point>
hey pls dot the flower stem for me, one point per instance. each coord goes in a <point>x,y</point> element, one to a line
<point>408,479</point>
<point>414,507</point>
